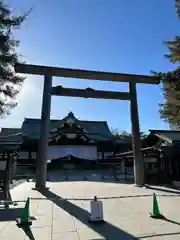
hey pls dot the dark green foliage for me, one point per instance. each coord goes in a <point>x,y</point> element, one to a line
<point>170,110</point>
<point>174,49</point>
<point>177,5</point>
<point>9,81</point>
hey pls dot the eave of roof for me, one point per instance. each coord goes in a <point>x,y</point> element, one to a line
<point>164,135</point>
<point>130,153</point>
<point>99,129</point>
<point>13,139</point>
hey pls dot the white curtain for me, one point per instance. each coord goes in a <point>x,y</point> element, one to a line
<point>84,152</point>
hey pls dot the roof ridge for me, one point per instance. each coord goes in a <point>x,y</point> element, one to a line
<point>32,118</point>
<point>92,121</point>
<point>10,128</point>
<point>38,119</point>
<point>156,130</point>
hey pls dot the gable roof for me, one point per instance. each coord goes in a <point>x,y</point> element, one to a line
<point>97,130</point>
<point>9,131</point>
<point>11,139</point>
<point>167,135</point>
<point>10,142</point>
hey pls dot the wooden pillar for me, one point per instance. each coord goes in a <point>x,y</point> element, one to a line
<point>14,165</point>
<point>29,156</point>
<point>41,167</point>
<point>8,175</point>
<point>122,166</point>
<point>138,158</point>
<point>103,154</point>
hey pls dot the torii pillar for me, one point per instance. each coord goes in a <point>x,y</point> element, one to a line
<point>136,141</point>
<point>41,167</point>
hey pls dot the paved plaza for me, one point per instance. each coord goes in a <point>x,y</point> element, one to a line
<point>61,212</point>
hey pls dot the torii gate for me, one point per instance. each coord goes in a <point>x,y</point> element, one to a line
<point>49,72</point>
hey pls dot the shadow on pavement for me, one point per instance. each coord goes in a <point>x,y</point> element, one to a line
<point>10,214</point>
<point>159,235</point>
<point>28,233</point>
<point>89,199</point>
<point>106,198</point>
<point>2,195</point>
<point>5,197</point>
<point>171,221</point>
<point>106,230</point>
<point>163,190</point>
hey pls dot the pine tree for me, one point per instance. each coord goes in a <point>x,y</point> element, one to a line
<point>10,82</point>
<point>170,110</point>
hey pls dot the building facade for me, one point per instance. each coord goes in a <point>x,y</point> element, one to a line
<point>71,141</point>
<point>161,157</point>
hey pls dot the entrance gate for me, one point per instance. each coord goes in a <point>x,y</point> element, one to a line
<point>49,72</point>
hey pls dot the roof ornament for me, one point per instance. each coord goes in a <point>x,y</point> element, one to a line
<point>70,119</point>
<point>71,114</point>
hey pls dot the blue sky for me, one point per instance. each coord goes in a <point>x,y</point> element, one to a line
<point>123,36</point>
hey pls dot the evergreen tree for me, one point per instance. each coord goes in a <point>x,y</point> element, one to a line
<point>9,81</point>
<point>170,110</point>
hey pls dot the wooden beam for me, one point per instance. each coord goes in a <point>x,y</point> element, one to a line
<point>89,93</point>
<point>85,74</point>
<point>130,153</point>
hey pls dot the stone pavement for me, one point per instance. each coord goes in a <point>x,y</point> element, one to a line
<point>61,212</point>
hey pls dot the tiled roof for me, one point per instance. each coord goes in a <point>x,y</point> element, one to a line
<point>168,135</point>
<point>11,139</point>
<point>10,142</point>
<point>9,131</point>
<point>97,130</point>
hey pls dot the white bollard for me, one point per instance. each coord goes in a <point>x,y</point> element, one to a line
<point>96,214</point>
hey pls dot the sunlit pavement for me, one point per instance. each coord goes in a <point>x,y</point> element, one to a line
<point>61,212</point>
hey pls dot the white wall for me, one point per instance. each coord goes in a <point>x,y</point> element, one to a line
<point>80,151</point>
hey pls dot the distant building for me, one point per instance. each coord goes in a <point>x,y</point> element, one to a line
<point>71,141</point>
<point>161,157</point>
